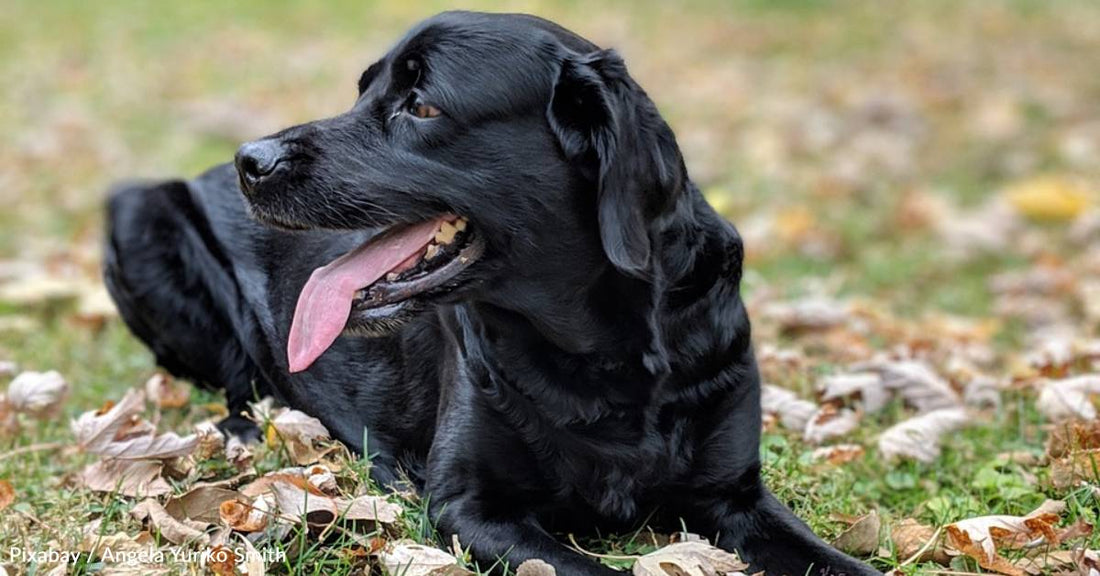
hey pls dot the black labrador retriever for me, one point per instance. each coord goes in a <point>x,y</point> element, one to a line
<point>552,336</point>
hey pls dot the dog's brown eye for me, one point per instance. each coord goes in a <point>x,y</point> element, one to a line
<point>421,110</point>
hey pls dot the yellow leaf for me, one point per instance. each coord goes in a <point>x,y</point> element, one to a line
<point>1049,198</point>
<point>720,199</point>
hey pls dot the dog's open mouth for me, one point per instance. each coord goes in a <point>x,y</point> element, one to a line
<point>373,281</point>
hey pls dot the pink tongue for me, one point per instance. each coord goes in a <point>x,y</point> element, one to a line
<point>325,302</point>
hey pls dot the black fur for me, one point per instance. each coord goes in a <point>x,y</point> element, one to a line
<point>593,370</point>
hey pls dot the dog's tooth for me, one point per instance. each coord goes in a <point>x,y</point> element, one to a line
<point>432,251</point>
<point>391,277</point>
<point>460,224</point>
<point>446,233</point>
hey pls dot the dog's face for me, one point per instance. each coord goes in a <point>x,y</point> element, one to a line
<point>504,157</point>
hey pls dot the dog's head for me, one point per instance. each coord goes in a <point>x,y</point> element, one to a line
<point>502,157</point>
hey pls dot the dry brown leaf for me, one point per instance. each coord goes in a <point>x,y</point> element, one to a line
<point>201,503</point>
<point>830,422</point>
<point>94,543</point>
<point>211,441</point>
<point>254,564</point>
<point>1075,468</point>
<point>321,478</point>
<point>7,494</point>
<point>535,567</point>
<point>792,411</point>
<point>38,394</point>
<point>166,392</point>
<point>911,537</point>
<point>38,289</point>
<point>120,433</point>
<point>867,385</point>
<point>838,454</point>
<point>297,431</point>
<point>689,559</point>
<point>222,561</point>
<point>134,478</point>
<point>816,313</point>
<point>919,437</point>
<point>295,496</point>
<point>982,537</point>
<point>95,430</point>
<point>861,538</point>
<point>1069,398</point>
<point>1072,436</point>
<point>407,558</point>
<point>244,516</point>
<point>915,381</point>
<point>176,531</point>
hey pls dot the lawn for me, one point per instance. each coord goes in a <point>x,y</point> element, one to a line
<point>917,185</point>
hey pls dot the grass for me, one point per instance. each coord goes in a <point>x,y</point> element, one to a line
<point>770,101</point>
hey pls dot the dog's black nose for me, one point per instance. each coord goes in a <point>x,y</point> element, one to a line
<point>258,160</point>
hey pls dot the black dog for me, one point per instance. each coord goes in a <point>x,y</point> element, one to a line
<point>557,337</point>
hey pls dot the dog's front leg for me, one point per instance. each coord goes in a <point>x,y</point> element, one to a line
<point>771,538</point>
<point>503,539</point>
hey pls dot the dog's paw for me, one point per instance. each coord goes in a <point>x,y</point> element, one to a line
<point>241,428</point>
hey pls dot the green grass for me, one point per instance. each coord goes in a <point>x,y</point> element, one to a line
<point>95,92</point>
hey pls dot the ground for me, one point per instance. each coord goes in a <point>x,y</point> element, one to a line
<point>915,183</point>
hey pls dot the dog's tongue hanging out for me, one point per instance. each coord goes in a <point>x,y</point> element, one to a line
<point>325,302</point>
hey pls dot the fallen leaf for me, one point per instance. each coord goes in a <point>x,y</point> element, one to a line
<point>295,497</point>
<point>1072,436</point>
<point>1049,198</point>
<point>808,314</point>
<point>38,289</point>
<point>176,531</point>
<point>321,478</point>
<point>689,559</point>
<point>1069,398</point>
<point>134,478</point>
<point>254,564</point>
<point>915,381</point>
<point>298,432</point>
<point>919,437</point>
<point>406,558</point>
<point>95,430</point>
<point>982,537</point>
<point>245,516</point>
<point>911,538</point>
<point>1076,468</point>
<point>867,385</point>
<point>166,392</point>
<point>119,433</point>
<point>535,567</point>
<point>211,441</point>
<point>94,543</point>
<point>7,494</point>
<point>792,411</point>
<point>222,561</point>
<point>830,422</point>
<point>38,394</point>
<point>94,305</point>
<point>201,503</point>
<point>838,454</point>
<point>861,538</point>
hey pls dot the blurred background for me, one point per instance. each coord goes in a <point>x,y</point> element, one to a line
<point>824,129</point>
<point>923,175</point>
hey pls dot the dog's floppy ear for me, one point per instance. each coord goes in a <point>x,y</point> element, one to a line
<point>605,121</point>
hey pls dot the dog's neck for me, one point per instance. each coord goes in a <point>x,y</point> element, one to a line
<point>625,336</point>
